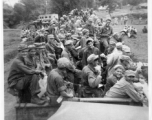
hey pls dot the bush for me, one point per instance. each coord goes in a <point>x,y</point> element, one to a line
<point>138,15</point>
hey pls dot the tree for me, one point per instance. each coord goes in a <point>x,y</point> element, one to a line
<point>20,11</point>
<point>9,16</point>
<point>134,3</point>
<point>63,6</point>
<point>111,5</point>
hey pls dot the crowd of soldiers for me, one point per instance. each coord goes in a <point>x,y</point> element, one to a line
<point>75,56</point>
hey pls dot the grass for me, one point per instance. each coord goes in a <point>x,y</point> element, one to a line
<point>11,41</point>
<point>139,46</point>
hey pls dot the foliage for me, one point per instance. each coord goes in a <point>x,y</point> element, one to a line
<point>111,5</point>
<point>133,2</point>
<point>9,17</point>
<point>64,6</point>
<point>27,10</point>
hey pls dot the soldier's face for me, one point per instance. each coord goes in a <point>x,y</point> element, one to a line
<point>64,71</point>
<point>130,78</point>
<point>32,52</point>
<point>127,54</point>
<point>90,45</point>
<point>108,23</point>
<point>23,53</point>
<point>118,72</point>
<point>95,63</point>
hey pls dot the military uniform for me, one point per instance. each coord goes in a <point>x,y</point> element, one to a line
<point>89,75</point>
<point>22,77</point>
<point>88,52</point>
<point>105,32</point>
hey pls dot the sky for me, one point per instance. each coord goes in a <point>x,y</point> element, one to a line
<point>11,2</point>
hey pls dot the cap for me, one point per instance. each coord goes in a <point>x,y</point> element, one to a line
<point>68,34</point>
<point>108,19</point>
<point>62,26</point>
<point>102,55</point>
<point>92,57</point>
<point>60,36</point>
<point>22,47</point>
<point>89,40</point>
<point>119,66</point>
<point>61,18</point>
<point>39,45</point>
<point>24,39</point>
<point>119,45</point>
<point>31,47</point>
<point>112,43</point>
<point>63,62</point>
<point>50,36</point>
<point>68,42</point>
<point>84,31</point>
<point>130,73</point>
<point>125,58</point>
<point>126,49</point>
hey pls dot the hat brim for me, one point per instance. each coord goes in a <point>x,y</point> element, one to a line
<point>96,58</point>
<point>88,42</point>
<point>23,49</point>
<point>40,47</point>
<point>130,75</point>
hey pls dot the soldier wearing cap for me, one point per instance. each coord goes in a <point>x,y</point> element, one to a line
<point>23,78</point>
<point>119,46</point>
<point>42,58</point>
<point>105,33</point>
<point>114,77</point>
<point>126,61</point>
<point>76,41</point>
<point>90,27</point>
<point>124,88</point>
<point>50,46</point>
<point>91,78</point>
<point>83,40</point>
<point>30,59</point>
<point>56,85</point>
<point>126,50</point>
<point>89,50</point>
<point>68,36</point>
<point>66,52</point>
<point>61,35</point>
<point>40,38</point>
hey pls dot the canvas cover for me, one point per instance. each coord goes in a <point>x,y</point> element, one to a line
<point>99,111</point>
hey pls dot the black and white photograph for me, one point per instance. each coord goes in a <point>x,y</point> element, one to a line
<point>76,59</point>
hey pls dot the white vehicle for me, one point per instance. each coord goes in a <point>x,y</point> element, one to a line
<point>48,17</point>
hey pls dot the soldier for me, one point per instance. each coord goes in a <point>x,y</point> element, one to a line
<point>125,88</point>
<point>23,78</point>
<point>56,85</point>
<point>89,50</point>
<point>105,33</point>
<point>91,78</point>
